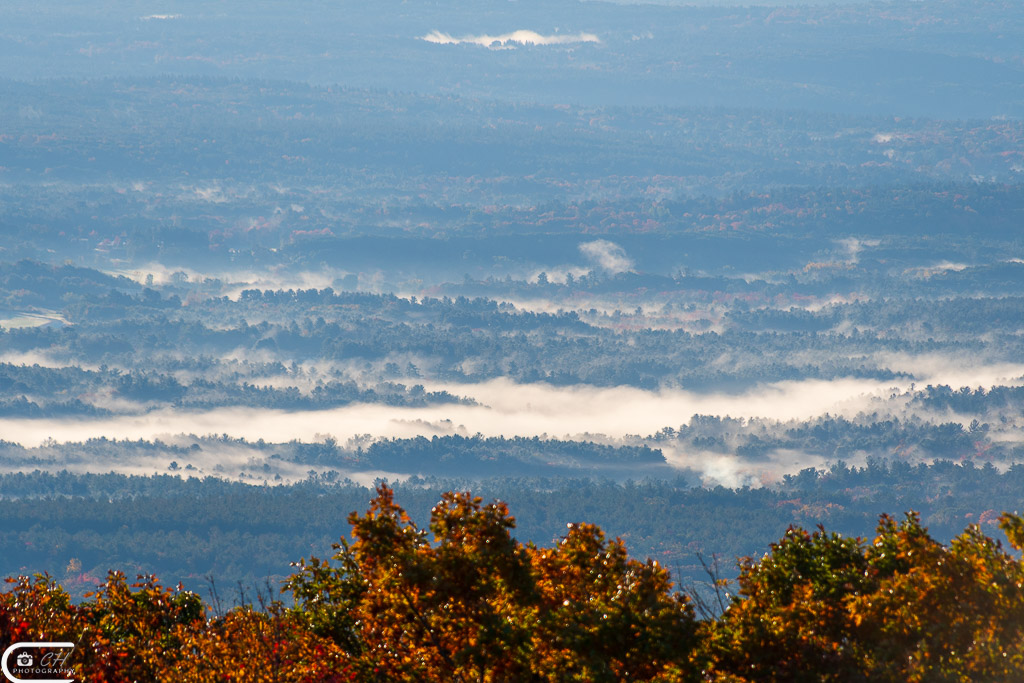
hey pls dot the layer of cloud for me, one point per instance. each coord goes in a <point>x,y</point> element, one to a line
<point>953,371</point>
<point>207,457</point>
<point>926,272</point>
<point>234,282</point>
<point>43,359</point>
<point>608,255</point>
<point>854,245</point>
<point>608,415</point>
<point>714,469</point>
<point>507,409</point>
<point>513,39</point>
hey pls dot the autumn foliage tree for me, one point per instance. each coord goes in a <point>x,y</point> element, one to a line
<point>469,602</point>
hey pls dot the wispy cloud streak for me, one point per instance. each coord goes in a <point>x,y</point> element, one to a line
<point>513,39</point>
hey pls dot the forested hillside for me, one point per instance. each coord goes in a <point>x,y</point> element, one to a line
<point>77,527</point>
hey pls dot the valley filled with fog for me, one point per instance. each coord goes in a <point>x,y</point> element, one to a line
<point>644,257</point>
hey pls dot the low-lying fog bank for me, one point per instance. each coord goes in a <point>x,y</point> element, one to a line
<point>755,437</point>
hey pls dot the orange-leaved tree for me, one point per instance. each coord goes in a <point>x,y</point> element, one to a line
<point>606,617</point>
<point>147,632</point>
<point>470,603</point>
